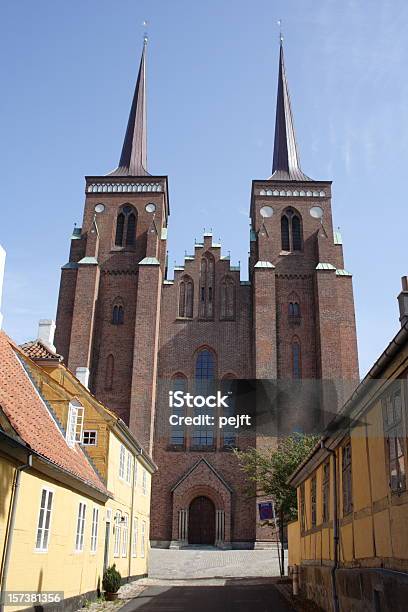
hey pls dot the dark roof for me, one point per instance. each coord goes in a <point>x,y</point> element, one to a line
<point>39,350</point>
<point>286,163</point>
<point>133,159</point>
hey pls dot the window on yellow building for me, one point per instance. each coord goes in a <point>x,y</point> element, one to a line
<point>302,508</point>
<point>347,479</point>
<point>144,482</point>
<point>74,423</point>
<point>122,462</point>
<point>90,438</point>
<point>117,528</point>
<point>143,540</point>
<point>129,467</point>
<point>94,531</point>
<point>135,536</point>
<point>125,530</point>
<point>44,519</point>
<point>326,492</point>
<point>79,541</point>
<point>395,440</point>
<point>313,500</point>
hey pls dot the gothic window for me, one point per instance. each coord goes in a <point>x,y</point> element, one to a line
<point>395,439</point>
<point>207,287</point>
<point>294,309</point>
<point>109,373</point>
<point>126,227</point>
<point>177,432</point>
<point>291,231</point>
<point>296,365</point>
<point>118,315</point>
<point>186,296</point>
<point>227,298</point>
<point>203,435</point>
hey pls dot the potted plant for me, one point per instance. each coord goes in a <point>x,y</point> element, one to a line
<point>111,582</point>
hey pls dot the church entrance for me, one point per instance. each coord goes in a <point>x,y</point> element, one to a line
<point>201,521</point>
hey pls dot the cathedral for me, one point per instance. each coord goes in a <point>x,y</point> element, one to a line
<point>130,333</point>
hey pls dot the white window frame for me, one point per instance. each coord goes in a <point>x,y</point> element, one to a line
<point>122,459</point>
<point>75,423</point>
<point>144,481</point>
<point>135,536</point>
<point>125,535</point>
<point>118,529</point>
<point>90,431</point>
<point>80,527</point>
<point>129,468</point>
<point>143,539</point>
<point>44,520</point>
<point>94,531</point>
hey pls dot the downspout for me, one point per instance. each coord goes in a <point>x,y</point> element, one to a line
<point>335,598</point>
<point>10,529</point>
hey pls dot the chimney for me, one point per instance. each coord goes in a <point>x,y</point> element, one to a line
<point>46,331</point>
<point>82,375</point>
<point>2,265</point>
<point>403,301</point>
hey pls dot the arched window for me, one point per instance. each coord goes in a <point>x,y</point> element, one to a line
<point>186,296</point>
<point>177,432</point>
<point>291,231</point>
<point>285,233</point>
<point>294,309</point>
<point>118,315</point>
<point>110,366</point>
<point>126,227</point>
<point>296,362</point>
<point>207,287</point>
<point>227,298</point>
<point>203,435</point>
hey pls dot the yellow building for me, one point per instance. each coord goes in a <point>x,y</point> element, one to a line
<point>83,482</point>
<point>351,539</point>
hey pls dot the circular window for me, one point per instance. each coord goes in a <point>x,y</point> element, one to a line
<point>316,212</point>
<point>266,211</point>
<point>150,208</point>
<point>99,208</point>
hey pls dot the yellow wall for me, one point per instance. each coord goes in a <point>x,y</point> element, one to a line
<point>60,567</point>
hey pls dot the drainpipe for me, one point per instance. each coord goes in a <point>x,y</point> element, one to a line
<point>335,598</point>
<point>10,530</point>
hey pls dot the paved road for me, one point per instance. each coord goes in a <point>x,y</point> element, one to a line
<point>196,563</point>
<point>232,597</point>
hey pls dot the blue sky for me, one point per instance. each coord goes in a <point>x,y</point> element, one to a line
<point>68,70</point>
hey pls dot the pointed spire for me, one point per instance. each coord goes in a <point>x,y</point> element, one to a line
<point>133,159</point>
<point>286,163</point>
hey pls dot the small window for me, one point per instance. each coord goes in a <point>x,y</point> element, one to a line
<point>144,482</point>
<point>44,519</point>
<point>296,234</point>
<point>117,528</point>
<point>186,297</point>
<point>313,501</point>
<point>94,531</point>
<point>90,437</point>
<point>326,492</point>
<point>285,233</point>
<point>125,530</point>
<point>120,224</point>
<point>79,541</point>
<point>347,479</point>
<point>118,315</point>
<point>122,457</point>
<point>207,286</point>
<point>74,423</point>
<point>135,536</point>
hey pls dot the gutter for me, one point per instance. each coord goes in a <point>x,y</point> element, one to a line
<point>10,528</point>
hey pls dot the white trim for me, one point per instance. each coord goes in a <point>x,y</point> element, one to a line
<point>94,530</point>
<point>135,536</point>
<point>41,527</point>
<point>80,527</point>
<point>92,431</point>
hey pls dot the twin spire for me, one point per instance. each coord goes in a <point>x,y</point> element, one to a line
<point>286,164</point>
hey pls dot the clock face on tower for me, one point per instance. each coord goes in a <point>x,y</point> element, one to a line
<point>150,208</point>
<point>266,211</point>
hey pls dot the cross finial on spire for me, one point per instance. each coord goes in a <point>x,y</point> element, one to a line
<point>280,31</point>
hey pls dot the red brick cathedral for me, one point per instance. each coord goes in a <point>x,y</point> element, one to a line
<point>125,328</point>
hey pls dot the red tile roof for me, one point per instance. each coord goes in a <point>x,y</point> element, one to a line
<point>37,350</point>
<point>33,420</point>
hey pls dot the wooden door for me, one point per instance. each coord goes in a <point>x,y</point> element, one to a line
<point>201,521</point>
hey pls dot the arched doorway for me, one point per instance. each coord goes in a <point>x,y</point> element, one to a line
<point>201,521</point>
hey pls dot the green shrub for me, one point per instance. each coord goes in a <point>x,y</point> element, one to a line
<point>111,579</point>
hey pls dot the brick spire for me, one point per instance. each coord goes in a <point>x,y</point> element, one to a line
<point>133,159</point>
<point>286,163</point>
